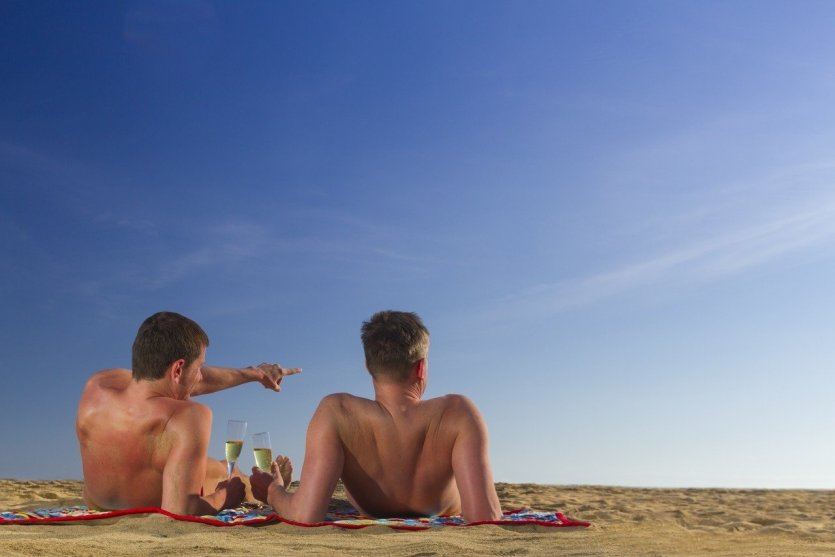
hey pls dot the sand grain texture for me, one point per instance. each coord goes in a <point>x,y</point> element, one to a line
<point>627,521</point>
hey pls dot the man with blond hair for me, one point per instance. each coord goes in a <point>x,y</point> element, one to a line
<point>143,440</point>
<point>397,455</point>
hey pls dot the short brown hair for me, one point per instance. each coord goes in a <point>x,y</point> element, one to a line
<point>163,338</point>
<point>394,341</point>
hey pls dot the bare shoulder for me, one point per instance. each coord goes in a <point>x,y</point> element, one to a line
<point>188,415</point>
<point>338,402</point>
<point>459,413</point>
<point>336,398</point>
<point>109,378</point>
<point>99,391</point>
<point>457,404</point>
<point>341,409</point>
<point>189,425</point>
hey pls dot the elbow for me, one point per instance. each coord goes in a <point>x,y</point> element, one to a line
<point>299,515</point>
<point>180,510</point>
<point>485,517</point>
<point>490,513</point>
<point>476,518</point>
<point>308,514</point>
<point>302,517</point>
<point>310,518</point>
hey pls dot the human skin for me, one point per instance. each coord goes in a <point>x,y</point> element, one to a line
<point>144,443</point>
<point>397,455</point>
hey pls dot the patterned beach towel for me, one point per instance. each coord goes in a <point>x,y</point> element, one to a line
<point>251,515</point>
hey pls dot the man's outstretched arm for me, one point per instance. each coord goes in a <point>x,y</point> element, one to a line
<point>220,378</point>
<point>322,467</point>
<point>471,466</point>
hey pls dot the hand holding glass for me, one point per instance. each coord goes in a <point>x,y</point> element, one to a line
<point>235,431</point>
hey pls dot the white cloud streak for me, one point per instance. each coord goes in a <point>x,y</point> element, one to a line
<point>237,243</point>
<point>721,255</point>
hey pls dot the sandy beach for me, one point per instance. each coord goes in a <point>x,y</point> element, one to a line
<point>626,521</point>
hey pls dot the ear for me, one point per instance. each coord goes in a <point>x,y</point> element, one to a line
<point>175,370</point>
<point>420,368</point>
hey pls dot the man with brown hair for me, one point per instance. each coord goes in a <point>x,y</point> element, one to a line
<point>397,455</point>
<point>143,440</point>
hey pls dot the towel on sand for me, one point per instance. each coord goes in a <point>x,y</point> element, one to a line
<point>255,515</point>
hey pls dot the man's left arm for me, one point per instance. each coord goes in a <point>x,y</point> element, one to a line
<point>220,378</point>
<point>471,466</point>
<point>187,433</point>
<point>323,461</point>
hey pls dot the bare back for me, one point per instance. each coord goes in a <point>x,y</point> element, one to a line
<point>397,455</point>
<point>400,463</point>
<point>124,442</point>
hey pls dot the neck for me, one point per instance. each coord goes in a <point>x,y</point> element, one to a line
<point>399,396</point>
<point>156,388</point>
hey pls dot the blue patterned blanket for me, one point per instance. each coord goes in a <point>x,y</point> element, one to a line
<point>252,515</point>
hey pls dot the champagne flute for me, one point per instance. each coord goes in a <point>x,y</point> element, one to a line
<point>235,431</point>
<point>263,450</point>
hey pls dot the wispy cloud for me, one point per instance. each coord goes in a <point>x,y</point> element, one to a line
<point>727,253</point>
<point>56,180</point>
<point>222,245</point>
<point>716,199</point>
<point>161,24</point>
<point>17,156</point>
<point>351,243</point>
<point>13,152</point>
<point>122,221</point>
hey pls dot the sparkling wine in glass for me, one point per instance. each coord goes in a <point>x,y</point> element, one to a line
<point>235,431</point>
<point>263,450</point>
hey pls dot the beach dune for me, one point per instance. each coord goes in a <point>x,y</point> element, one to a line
<point>626,521</point>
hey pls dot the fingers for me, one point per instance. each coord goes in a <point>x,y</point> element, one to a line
<point>235,492</point>
<point>272,383</point>
<point>272,375</point>
<point>275,468</point>
<point>258,475</point>
<point>279,370</point>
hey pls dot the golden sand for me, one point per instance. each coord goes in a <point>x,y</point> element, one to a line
<point>626,521</point>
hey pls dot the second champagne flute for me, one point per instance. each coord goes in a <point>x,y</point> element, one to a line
<point>263,450</point>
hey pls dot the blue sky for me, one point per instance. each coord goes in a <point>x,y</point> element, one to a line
<point>617,219</point>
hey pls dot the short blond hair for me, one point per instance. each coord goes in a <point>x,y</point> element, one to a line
<point>394,341</point>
